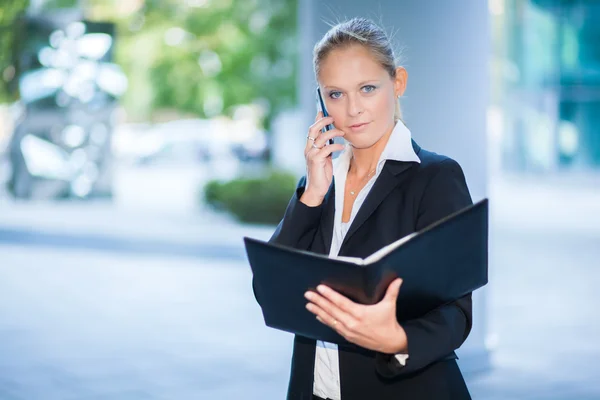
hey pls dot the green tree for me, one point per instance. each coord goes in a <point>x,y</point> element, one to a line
<point>200,57</point>
<point>204,57</point>
<point>10,11</point>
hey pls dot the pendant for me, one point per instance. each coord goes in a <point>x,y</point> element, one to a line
<point>352,193</point>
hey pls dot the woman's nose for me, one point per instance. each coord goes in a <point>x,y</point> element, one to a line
<point>354,106</point>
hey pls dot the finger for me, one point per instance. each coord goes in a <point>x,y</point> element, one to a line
<point>352,336</point>
<point>349,332</point>
<point>316,128</point>
<point>331,309</point>
<point>311,132</point>
<point>393,291</point>
<point>327,319</point>
<point>342,302</point>
<point>309,143</point>
<point>315,132</point>
<point>327,150</point>
<point>312,149</point>
<point>311,138</point>
<point>323,138</point>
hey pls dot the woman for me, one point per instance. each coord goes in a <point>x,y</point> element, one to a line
<point>385,187</point>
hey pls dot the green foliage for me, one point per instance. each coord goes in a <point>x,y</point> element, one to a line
<point>54,4</point>
<point>206,59</point>
<point>9,14</point>
<point>252,200</point>
<point>198,57</point>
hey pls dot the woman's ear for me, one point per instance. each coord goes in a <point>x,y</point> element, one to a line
<point>400,81</point>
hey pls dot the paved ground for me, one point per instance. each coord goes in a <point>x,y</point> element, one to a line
<point>102,302</point>
<point>89,325</point>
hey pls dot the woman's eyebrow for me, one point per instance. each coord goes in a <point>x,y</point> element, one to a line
<point>358,85</point>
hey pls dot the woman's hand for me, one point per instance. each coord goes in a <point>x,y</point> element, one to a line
<point>373,327</point>
<point>319,166</point>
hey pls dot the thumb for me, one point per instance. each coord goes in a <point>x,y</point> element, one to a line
<point>393,290</point>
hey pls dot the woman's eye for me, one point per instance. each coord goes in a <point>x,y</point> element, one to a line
<point>335,95</point>
<point>368,88</point>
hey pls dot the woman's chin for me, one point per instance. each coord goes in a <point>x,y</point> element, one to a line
<point>361,141</point>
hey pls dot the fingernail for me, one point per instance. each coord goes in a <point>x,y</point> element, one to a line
<point>321,289</point>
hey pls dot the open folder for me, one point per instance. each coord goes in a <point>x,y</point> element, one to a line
<point>438,265</point>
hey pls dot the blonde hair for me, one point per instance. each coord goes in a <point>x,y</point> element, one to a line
<point>363,32</point>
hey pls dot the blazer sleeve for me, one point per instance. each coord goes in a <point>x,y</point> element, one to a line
<point>300,222</point>
<point>298,227</point>
<point>443,330</point>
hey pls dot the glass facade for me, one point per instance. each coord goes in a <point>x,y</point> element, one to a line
<point>546,74</point>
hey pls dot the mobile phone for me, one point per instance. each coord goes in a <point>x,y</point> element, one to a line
<point>321,107</point>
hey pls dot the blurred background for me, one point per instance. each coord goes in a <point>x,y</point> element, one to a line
<point>140,140</point>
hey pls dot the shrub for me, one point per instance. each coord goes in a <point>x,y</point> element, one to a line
<point>253,200</point>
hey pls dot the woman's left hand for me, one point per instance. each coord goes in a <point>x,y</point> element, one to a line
<point>373,327</point>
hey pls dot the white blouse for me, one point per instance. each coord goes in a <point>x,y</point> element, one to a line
<point>399,147</point>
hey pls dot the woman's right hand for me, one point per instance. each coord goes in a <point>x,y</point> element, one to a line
<point>319,164</point>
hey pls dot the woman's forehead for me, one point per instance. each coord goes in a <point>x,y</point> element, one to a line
<point>349,67</point>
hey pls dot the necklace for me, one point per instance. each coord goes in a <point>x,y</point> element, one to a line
<point>353,192</point>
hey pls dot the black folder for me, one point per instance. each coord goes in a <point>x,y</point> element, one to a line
<point>438,265</point>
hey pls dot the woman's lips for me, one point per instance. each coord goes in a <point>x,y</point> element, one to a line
<point>358,127</point>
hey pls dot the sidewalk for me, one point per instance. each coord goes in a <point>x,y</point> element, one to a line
<point>102,226</point>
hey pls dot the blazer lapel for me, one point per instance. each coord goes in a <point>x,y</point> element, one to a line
<point>390,177</point>
<point>393,173</point>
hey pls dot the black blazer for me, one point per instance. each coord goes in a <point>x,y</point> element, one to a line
<point>406,197</point>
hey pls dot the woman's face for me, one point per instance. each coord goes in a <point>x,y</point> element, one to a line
<point>360,94</point>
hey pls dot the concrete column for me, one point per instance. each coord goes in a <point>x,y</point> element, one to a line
<point>446,48</point>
